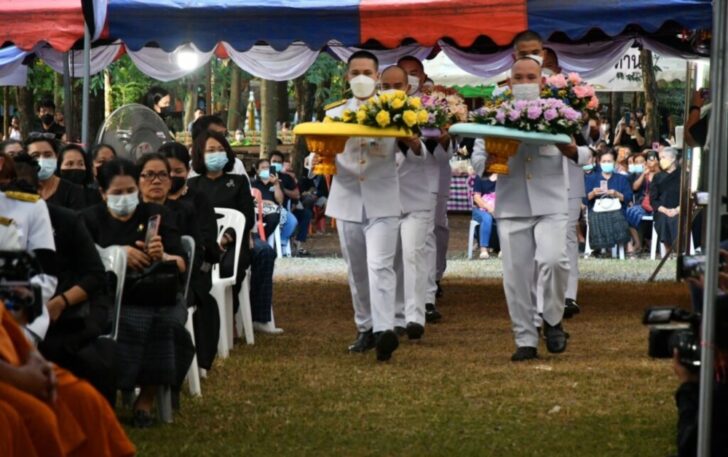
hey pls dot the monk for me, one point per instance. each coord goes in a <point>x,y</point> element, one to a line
<point>49,411</point>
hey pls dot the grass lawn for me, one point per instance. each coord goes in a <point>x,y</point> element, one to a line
<point>455,393</point>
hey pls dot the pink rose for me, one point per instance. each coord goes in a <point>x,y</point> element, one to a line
<point>550,114</point>
<point>582,91</point>
<point>558,81</point>
<point>514,115</point>
<point>593,103</point>
<point>534,112</point>
<point>574,78</point>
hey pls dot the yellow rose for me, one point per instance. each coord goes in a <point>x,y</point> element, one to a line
<point>383,98</point>
<point>415,102</point>
<point>327,119</point>
<point>361,116</point>
<point>383,118</point>
<point>423,116</point>
<point>348,115</point>
<point>397,103</point>
<point>410,118</point>
<point>400,94</point>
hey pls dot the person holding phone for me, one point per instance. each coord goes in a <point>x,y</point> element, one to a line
<point>631,131</point>
<point>153,347</point>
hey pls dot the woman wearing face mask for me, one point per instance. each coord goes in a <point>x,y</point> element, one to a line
<point>51,188</point>
<point>270,189</point>
<point>607,229</point>
<point>100,154</point>
<point>665,197</point>
<point>74,165</point>
<point>641,177</point>
<point>150,351</point>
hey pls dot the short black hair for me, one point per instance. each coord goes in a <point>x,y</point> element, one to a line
<point>7,143</point>
<point>526,35</point>
<point>552,53</point>
<point>363,55</point>
<point>97,148</point>
<point>26,169</point>
<point>203,123</point>
<point>46,103</point>
<point>114,168</point>
<point>151,157</point>
<point>175,150</point>
<point>259,161</point>
<point>154,95</point>
<point>37,139</point>
<point>277,153</point>
<point>412,59</point>
<point>198,152</point>
<point>86,161</point>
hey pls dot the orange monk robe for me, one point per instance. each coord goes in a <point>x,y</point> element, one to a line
<point>80,423</point>
<point>14,437</point>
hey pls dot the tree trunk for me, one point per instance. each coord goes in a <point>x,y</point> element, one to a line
<point>58,90</point>
<point>233,118</point>
<point>108,94</point>
<point>208,85</point>
<point>305,94</point>
<point>190,106</point>
<point>25,106</point>
<point>6,111</point>
<point>652,129</point>
<point>268,108</point>
<point>283,113</point>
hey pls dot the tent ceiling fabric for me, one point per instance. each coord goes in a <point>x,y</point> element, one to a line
<point>27,23</point>
<point>242,23</point>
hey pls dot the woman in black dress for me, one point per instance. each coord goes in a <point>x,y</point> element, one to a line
<point>74,165</point>
<point>51,188</point>
<point>665,197</point>
<point>149,349</point>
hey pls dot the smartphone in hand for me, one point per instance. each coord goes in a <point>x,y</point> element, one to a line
<point>152,229</point>
<point>603,186</point>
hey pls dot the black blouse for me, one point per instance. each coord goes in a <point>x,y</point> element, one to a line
<point>107,231</point>
<point>69,195</point>
<point>204,214</point>
<point>665,190</point>
<point>228,191</point>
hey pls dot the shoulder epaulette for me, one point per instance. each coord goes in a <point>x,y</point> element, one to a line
<point>22,196</point>
<point>5,221</point>
<point>335,104</point>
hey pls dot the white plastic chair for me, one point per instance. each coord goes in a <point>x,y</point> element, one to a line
<point>471,237</point>
<point>114,261</point>
<point>222,288</point>
<point>193,374</point>
<point>655,241</point>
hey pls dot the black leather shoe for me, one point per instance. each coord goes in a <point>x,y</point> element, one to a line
<point>387,343</point>
<point>415,331</point>
<point>364,341</point>
<point>400,331</point>
<point>431,313</point>
<point>555,337</point>
<point>439,292</point>
<point>571,308</point>
<point>524,353</point>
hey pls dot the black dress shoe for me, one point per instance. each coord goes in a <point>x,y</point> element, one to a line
<point>386,342</point>
<point>439,292</point>
<point>524,353</point>
<point>555,337</point>
<point>400,331</point>
<point>364,341</point>
<point>431,313</point>
<point>571,308</point>
<point>415,331</point>
<point>142,419</point>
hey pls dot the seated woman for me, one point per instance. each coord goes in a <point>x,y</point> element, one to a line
<point>642,170</point>
<point>213,159</point>
<point>100,154</point>
<point>665,197</point>
<point>51,188</point>
<point>483,207</point>
<point>150,351</point>
<point>159,176</point>
<point>267,181</point>
<point>610,228</point>
<point>75,166</point>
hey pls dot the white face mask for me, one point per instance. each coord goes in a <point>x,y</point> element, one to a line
<point>414,83</point>
<point>530,91</point>
<point>362,86</point>
<point>124,204</point>
<point>387,91</point>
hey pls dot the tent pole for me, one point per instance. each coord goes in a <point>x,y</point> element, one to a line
<point>86,85</point>
<point>67,102</point>
<point>6,112</point>
<point>718,142</point>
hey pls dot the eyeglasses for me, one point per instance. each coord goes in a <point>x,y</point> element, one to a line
<point>150,175</point>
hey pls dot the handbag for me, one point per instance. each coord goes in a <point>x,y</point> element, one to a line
<point>156,285</point>
<point>607,204</point>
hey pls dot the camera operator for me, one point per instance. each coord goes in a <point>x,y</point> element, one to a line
<point>688,394</point>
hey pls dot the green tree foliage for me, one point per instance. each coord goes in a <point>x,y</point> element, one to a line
<point>327,74</point>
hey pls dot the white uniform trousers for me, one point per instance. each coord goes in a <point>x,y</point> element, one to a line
<point>442,235</point>
<point>572,247</point>
<point>412,268</point>
<point>431,255</point>
<point>523,240</point>
<point>369,248</point>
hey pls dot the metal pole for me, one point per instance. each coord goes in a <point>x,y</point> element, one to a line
<point>86,85</point>
<point>67,96</point>
<point>718,143</point>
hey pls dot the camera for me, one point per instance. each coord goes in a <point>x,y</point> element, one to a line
<point>671,329</point>
<point>693,266</point>
<point>16,290</point>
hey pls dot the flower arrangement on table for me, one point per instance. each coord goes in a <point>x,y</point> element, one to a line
<point>573,91</point>
<point>444,107</point>
<point>389,114</point>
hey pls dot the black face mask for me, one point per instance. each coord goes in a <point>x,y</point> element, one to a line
<point>75,176</point>
<point>178,182</point>
<point>47,119</point>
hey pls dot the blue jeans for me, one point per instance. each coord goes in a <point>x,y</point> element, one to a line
<point>485,219</point>
<point>288,228</point>
<point>304,217</point>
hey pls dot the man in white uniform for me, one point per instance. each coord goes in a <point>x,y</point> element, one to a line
<point>364,198</point>
<point>438,179</point>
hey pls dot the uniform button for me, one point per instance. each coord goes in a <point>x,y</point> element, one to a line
<point>529,176</point>
<point>362,162</point>
<point>528,159</point>
<point>361,178</point>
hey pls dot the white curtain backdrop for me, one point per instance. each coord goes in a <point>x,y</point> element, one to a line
<point>386,57</point>
<point>162,65</point>
<point>12,70</point>
<point>267,63</point>
<point>101,57</point>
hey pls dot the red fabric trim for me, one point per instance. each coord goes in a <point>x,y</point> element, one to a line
<point>391,21</point>
<point>29,22</point>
